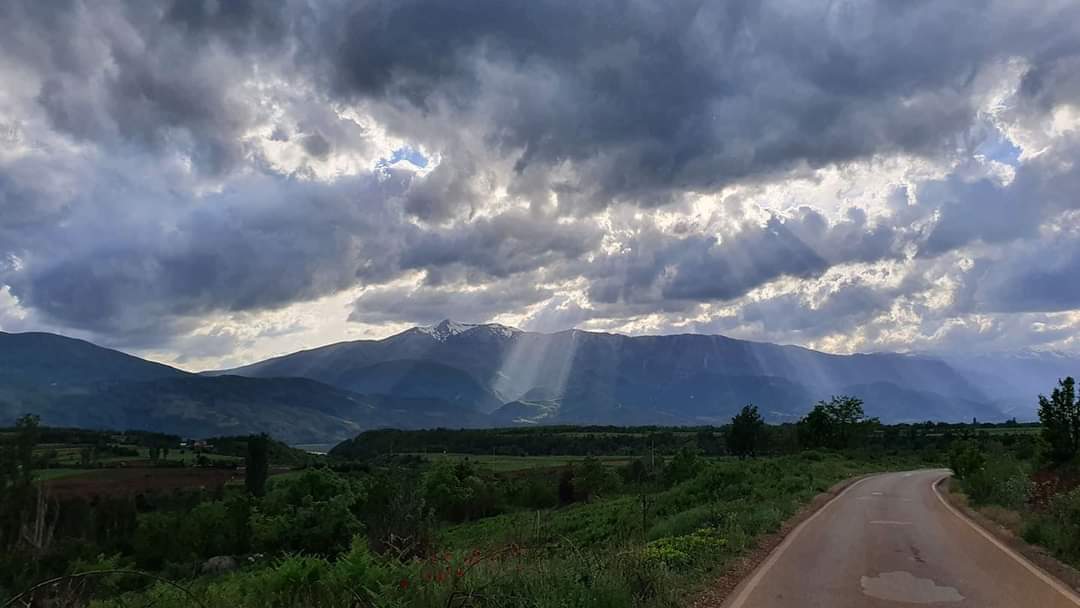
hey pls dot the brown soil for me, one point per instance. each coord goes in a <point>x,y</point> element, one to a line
<point>124,481</point>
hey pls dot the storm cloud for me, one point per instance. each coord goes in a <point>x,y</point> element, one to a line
<point>849,175</point>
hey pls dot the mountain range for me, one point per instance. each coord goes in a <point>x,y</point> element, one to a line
<point>465,375</point>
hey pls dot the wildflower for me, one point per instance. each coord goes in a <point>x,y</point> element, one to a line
<point>404,584</point>
<point>460,573</point>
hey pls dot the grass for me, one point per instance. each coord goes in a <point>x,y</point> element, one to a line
<point>756,494</point>
<point>49,474</point>
<point>503,464</point>
<point>68,454</point>
<point>620,550</point>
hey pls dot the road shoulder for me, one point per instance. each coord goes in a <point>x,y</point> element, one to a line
<point>722,586</point>
<point>1040,557</point>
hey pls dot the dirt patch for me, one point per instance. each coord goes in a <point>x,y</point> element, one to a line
<point>125,481</point>
<point>722,586</point>
<point>1005,526</point>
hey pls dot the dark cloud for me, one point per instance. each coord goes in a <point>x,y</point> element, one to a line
<point>178,159</point>
<point>268,241</point>
<point>1043,278</point>
<point>500,246</point>
<point>263,243</point>
<point>424,305</point>
<point>702,268</point>
<point>317,145</point>
<point>984,210</point>
<point>680,96</point>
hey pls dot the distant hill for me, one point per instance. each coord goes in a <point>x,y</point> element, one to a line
<point>459,375</point>
<point>601,378</point>
<point>39,359</point>
<point>1013,381</point>
<point>71,382</point>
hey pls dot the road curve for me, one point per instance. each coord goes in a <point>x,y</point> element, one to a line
<point>889,541</point>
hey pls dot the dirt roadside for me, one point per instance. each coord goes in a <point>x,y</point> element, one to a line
<point>1033,553</point>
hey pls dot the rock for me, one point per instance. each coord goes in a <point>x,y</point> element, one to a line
<point>219,564</point>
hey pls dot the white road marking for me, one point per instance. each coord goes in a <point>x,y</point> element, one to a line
<point>877,493</point>
<point>889,522</point>
<point>775,555</point>
<point>1069,594</point>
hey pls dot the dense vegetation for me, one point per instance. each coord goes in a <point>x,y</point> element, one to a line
<point>1030,483</point>
<point>637,440</point>
<point>640,517</point>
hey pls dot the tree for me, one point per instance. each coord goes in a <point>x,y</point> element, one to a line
<point>314,513</point>
<point>709,443</point>
<point>566,485</point>
<point>1060,418</point>
<point>635,471</point>
<point>26,439</point>
<point>965,458</point>
<point>257,464</point>
<point>450,488</point>
<point>685,464</point>
<point>746,433</point>
<point>816,429</point>
<point>18,502</point>
<point>837,424</point>
<point>594,479</point>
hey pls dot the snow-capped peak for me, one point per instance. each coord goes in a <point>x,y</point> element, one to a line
<point>447,328</point>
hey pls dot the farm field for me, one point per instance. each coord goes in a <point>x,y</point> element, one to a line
<point>649,528</point>
<point>60,473</point>
<point>67,454</point>
<point>501,464</point>
<point>124,481</point>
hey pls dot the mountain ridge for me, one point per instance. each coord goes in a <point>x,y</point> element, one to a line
<point>474,375</point>
<point>574,366</point>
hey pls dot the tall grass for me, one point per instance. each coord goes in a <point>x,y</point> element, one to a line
<point>629,550</point>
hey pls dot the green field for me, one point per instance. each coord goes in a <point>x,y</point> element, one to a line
<point>1017,430</point>
<point>67,454</point>
<point>49,474</point>
<point>616,549</point>
<point>503,464</point>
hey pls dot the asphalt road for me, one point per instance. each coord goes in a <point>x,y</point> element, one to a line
<point>891,541</point>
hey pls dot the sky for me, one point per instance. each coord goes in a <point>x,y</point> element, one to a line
<point>210,183</point>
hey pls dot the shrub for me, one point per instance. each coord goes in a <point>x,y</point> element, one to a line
<point>965,459</point>
<point>312,513</point>
<point>683,466</point>
<point>1065,514</point>
<point>1000,481</point>
<point>593,479</point>
<point>686,550</point>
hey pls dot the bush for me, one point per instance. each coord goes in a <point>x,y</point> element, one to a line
<point>686,550</point>
<point>683,466</point>
<point>592,479</point>
<point>965,459</point>
<point>313,513</point>
<point>1064,512</point>
<point>1000,481</point>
